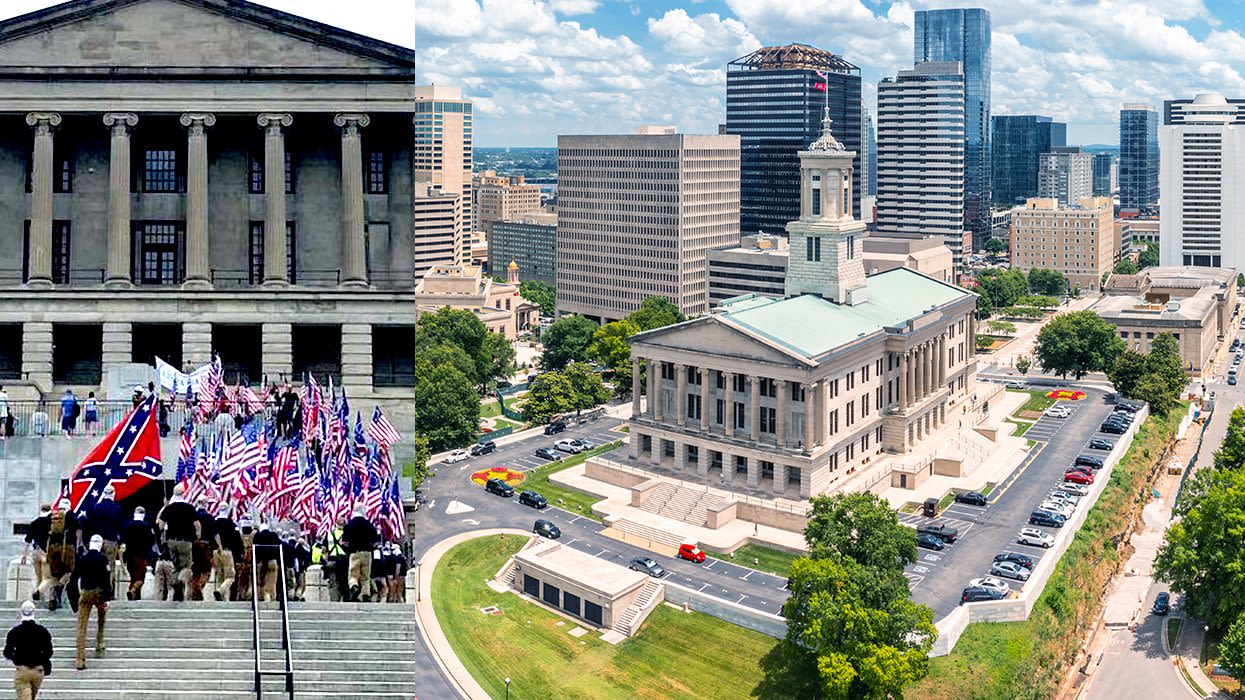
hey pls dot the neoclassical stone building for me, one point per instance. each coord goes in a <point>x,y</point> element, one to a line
<point>210,174</point>
<point>796,393</point>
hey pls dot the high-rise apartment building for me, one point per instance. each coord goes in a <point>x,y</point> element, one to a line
<point>1139,157</point>
<point>499,197</point>
<point>870,159</point>
<point>1173,110</point>
<point>774,102</point>
<point>1077,240</point>
<point>921,154</point>
<point>1066,175</point>
<point>1104,174</point>
<point>1200,213</point>
<point>638,215</point>
<point>443,157</point>
<point>1016,142</point>
<point>963,35</point>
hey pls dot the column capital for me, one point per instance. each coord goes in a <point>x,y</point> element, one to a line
<point>198,120</point>
<point>122,120</point>
<point>276,120</point>
<point>44,119</point>
<point>349,121</point>
<point>704,371</point>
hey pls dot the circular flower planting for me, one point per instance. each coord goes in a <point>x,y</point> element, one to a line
<point>1066,395</point>
<point>509,476</point>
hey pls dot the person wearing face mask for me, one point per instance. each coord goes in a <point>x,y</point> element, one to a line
<point>95,590</point>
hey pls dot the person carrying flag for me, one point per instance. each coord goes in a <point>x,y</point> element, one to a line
<point>95,590</point>
<point>137,542</point>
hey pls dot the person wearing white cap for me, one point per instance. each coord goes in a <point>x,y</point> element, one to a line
<point>29,647</point>
<point>95,590</point>
<point>137,543</point>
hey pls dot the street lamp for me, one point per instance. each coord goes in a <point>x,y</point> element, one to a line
<point>507,689</point>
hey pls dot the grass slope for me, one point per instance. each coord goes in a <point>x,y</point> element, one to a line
<point>575,501</point>
<point>768,559</point>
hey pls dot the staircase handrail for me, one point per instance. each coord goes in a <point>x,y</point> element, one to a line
<point>283,606</point>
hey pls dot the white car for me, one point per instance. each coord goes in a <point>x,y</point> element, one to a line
<point>1057,411</point>
<point>1063,497</point>
<point>1064,509</point>
<point>1035,538</point>
<point>456,456</point>
<point>1074,489</point>
<point>571,446</point>
<point>997,584</point>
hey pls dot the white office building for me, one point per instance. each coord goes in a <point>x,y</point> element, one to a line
<point>1200,177</point>
<point>1066,175</point>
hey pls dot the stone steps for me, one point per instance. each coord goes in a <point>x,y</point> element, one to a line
<point>631,527</point>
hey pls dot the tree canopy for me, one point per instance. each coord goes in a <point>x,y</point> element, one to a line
<point>655,312</point>
<point>1231,452</point>
<point>1148,257</point>
<point>1002,286</point>
<point>447,407</point>
<point>574,388</point>
<point>566,340</point>
<point>541,294</point>
<point>1077,343</point>
<point>1157,377</point>
<point>1125,267</point>
<point>994,246</point>
<point>492,356</point>
<point>1048,282</point>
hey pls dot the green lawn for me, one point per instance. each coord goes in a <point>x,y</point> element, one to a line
<point>490,409</point>
<point>1037,401</point>
<point>675,654</point>
<point>575,501</point>
<point>1173,632</point>
<point>768,559</point>
<point>1021,428</point>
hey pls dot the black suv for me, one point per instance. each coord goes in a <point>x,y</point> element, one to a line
<point>972,498</point>
<point>1113,428</point>
<point>974,594</point>
<point>545,528</point>
<point>555,428</point>
<point>942,532</point>
<point>1088,461</point>
<point>483,448</point>
<point>533,499</point>
<point>1045,519</point>
<point>499,487</point>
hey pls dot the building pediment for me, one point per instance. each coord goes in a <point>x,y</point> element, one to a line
<point>712,335</point>
<point>171,36</point>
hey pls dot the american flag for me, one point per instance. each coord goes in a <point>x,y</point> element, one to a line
<point>186,454</point>
<point>286,482</point>
<point>210,385</point>
<point>127,458</point>
<point>373,498</point>
<point>313,400</point>
<point>392,516</point>
<point>243,456</point>
<point>381,430</point>
<point>304,506</point>
<point>359,455</point>
<point>247,397</point>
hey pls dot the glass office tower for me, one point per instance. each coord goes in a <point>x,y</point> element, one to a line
<point>1139,157</point>
<point>1016,143</point>
<point>1104,163</point>
<point>774,105</point>
<point>964,36</point>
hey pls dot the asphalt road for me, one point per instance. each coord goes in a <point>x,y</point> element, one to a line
<point>1135,664</point>
<point>938,578</point>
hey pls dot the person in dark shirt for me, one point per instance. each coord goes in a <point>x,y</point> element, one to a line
<point>65,536</point>
<point>105,519</point>
<point>359,538</point>
<point>138,541</point>
<point>29,646</point>
<point>289,543</point>
<point>302,554</point>
<point>95,589</point>
<point>267,545</point>
<point>37,550</point>
<point>226,555</point>
<point>181,528</point>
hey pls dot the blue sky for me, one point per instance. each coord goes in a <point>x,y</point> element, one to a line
<point>537,68</point>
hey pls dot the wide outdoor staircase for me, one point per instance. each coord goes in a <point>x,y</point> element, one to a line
<point>631,528</point>
<point>203,651</point>
<point>971,448</point>
<point>629,621</point>
<point>679,503</point>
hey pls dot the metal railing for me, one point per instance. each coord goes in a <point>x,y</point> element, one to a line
<point>39,418</point>
<point>283,606</point>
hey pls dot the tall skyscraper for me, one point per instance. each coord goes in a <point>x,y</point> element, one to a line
<point>921,154</point>
<point>1104,174</point>
<point>442,169</point>
<point>1065,175</point>
<point>964,35</point>
<point>871,161</point>
<point>1139,157</point>
<point>638,215</point>
<point>774,102</point>
<point>1016,143</point>
<point>1199,213</point>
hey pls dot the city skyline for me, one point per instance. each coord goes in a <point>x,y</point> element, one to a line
<point>537,68</point>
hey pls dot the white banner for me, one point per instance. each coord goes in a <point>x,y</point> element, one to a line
<point>176,380</point>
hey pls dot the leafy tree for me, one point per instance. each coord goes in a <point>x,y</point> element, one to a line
<point>994,246</point>
<point>587,390</point>
<point>550,394</point>
<point>1148,257</point>
<point>416,469</point>
<point>609,344</point>
<point>541,294</point>
<point>1048,282</point>
<point>984,307</point>
<point>500,354</point>
<point>1157,377</point>
<point>1023,363</point>
<point>1232,650</point>
<point>447,407</point>
<point>1078,343</point>
<point>1003,287</point>
<point>1000,327</point>
<point>493,359</point>
<point>1161,396</point>
<point>859,526</point>
<point>566,340</point>
<point>984,342</point>
<point>1231,452</point>
<point>1165,361</point>
<point>1203,558</point>
<point>655,312</point>
<point>1125,267</point>
<point>1038,301</point>
<point>1021,311</point>
<point>1240,279</point>
<point>447,355</point>
<point>1126,371</point>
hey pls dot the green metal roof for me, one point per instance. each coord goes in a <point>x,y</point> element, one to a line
<point>811,326</point>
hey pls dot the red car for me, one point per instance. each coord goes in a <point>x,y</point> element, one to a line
<point>1078,478</point>
<point>691,552</point>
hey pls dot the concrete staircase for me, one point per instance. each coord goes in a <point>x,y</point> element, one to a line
<point>202,651</point>
<point>680,503</point>
<point>629,621</point>
<point>630,527</point>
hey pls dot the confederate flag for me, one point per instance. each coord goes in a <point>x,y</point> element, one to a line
<point>128,458</point>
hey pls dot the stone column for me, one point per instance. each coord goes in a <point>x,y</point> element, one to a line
<point>117,345</point>
<point>903,381</point>
<point>198,266</point>
<point>276,268</point>
<point>356,347</point>
<point>196,343</point>
<point>680,398</point>
<point>823,405</point>
<point>635,387</point>
<point>780,413</point>
<point>704,400</point>
<point>826,194</point>
<point>37,356</point>
<point>754,472</point>
<point>277,359</point>
<point>780,477</point>
<point>354,251</point>
<point>728,416</point>
<point>39,253</point>
<point>919,358</point>
<point>654,388</point>
<point>117,275</point>
<point>754,407</point>
<point>811,402</point>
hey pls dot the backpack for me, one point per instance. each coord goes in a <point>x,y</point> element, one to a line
<point>76,410</point>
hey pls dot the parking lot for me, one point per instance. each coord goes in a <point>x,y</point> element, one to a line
<point>938,577</point>
<point>521,456</point>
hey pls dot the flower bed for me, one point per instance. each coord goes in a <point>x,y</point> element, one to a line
<point>509,476</point>
<point>1065,395</point>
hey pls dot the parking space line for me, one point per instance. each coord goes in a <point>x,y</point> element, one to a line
<point>745,576</point>
<point>603,551</point>
<point>741,599</point>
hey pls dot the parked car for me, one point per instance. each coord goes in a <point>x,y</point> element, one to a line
<point>647,566</point>
<point>1231,380</point>
<point>546,528</point>
<point>1009,569</point>
<point>942,532</point>
<point>1046,519</point>
<point>1074,489</point>
<point>533,499</point>
<point>691,552</point>
<point>456,456</point>
<point>991,582</point>
<point>930,542</point>
<point>1112,428</point>
<point>1035,538</point>
<point>547,453</point>
<point>1063,497</point>
<point>567,446</point>
<point>483,448</point>
<point>1016,558</point>
<point>1080,468</point>
<point>1089,461</point>
<point>1058,508</point>
<point>1162,603</point>
<point>499,487</point>
<point>974,594</point>
<point>555,428</point>
<point>972,498</point>
<point>1058,411</point>
<point>1079,478</point>
<point>1101,444</point>
<point>582,444</point>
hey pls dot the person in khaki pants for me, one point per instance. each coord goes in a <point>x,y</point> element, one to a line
<point>37,550</point>
<point>29,647</point>
<point>359,537</point>
<point>267,550</point>
<point>95,586</point>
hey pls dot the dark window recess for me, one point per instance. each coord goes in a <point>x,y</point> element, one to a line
<point>256,248</point>
<point>161,170</point>
<point>552,595</point>
<point>152,340</point>
<point>531,586</point>
<point>10,350</point>
<point>377,172</point>
<point>62,167</point>
<point>256,182</point>
<point>570,603</point>
<point>317,350</point>
<point>393,356</point>
<point>241,349</point>
<point>60,252</point>
<point>592,612</point>
<point>158,253</point>
<point>77,353</point>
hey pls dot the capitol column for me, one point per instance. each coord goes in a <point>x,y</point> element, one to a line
<point>754,407</point>
<point>811,403</point>
<point>680,398</point>
<point>198,270</point>
<point>919,392</point>
<point>728,414</point>
<point>276,265</point>
<point>354,248</point>
<point>654,389</point>
<point>635,387</point>
<point>117,275</point>
<point>780,413</point>
<point>39,257</point>
<point>903,382</point>
<point>705,374</point>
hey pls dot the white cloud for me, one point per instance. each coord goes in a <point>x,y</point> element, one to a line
<point>574,7</point>
<point>702,35</point>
